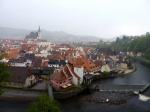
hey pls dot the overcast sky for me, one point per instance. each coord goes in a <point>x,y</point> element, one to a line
<point>102,18</point>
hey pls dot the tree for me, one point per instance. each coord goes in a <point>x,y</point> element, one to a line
<point>45,104</point>
<point>4,75</point>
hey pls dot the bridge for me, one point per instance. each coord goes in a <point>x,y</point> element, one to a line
<point>97,87</point>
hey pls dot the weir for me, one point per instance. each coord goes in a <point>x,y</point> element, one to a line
<point>144,88</point>
<point>127,88</point>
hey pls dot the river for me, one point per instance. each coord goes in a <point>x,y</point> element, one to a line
<point>139,77</point>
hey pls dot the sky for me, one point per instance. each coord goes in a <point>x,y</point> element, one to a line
<point>101,18</point>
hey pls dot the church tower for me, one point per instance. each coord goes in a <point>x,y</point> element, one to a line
<point>39,33</point>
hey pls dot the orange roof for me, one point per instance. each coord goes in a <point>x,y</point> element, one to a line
<point>60,76</point>
<point>40,57</point>
<point>71,68</point>
<point>45,63</point>
<point>100,63</point>
<point>78,62</point>
<point>88,65</point>
<point>55,57</point>
<point>63,74</point>
<point>12,53</point>
<point>66,70</point>
<point>27,47</point>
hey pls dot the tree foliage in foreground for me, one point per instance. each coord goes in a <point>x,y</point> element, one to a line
<point>4,75</point>
<point>45,104</point>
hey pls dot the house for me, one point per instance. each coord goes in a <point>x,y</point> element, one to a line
<point>30,48</point>
<point>37,63</point>
<point>55,57</point>
<point>12,52</point>
<point>75,71</point>
<point>76,78</point>
<point>56,63</point>
<point>88,65</point>
<point>47,71</point>
<point>22,53</point>
<point>105,68</point>
<point>21,77</point>
<point>67,76</point>
<point>124,65</point>
<point>61,79</point>
<point>139,54</point>
<point>107,51</point>
<point>99,63</point>
<point>20,62</point>
<point>4,60</point>
<point>29,57</point>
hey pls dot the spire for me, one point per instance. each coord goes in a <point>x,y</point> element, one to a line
<point>39,29</point>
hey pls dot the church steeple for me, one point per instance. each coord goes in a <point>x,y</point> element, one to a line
<point>39,33</point>
<point>39,29</point>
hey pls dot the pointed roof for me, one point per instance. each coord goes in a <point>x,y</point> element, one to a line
<point>39,29</point>
<point>78,62</point>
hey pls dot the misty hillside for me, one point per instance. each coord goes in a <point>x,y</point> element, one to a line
<point>54,36</point>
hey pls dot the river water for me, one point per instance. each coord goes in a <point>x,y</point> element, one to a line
<point>140,77</point>
<point>74,104</point>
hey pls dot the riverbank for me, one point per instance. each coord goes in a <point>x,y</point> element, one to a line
<point>74,104</point>
<point>121,72</point>
<point>128,71</point>
<point>18,94</point>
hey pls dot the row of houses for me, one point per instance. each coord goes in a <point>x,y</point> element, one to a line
<point>63,65</point>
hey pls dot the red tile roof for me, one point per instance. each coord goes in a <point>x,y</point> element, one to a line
<point>55,57</point>
<point>72,70</point>
<point>60,76</point>
<point>12,52</point>
<point>88,65</point>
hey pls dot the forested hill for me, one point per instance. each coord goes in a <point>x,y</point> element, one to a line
<point>133,43</point>
<point>54,36</point>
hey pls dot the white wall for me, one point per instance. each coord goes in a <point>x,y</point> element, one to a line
<point>105,68</point>
<point>28,81</point>
<point>42,55</point>
<point>74,79</point>
<point>79,72</point>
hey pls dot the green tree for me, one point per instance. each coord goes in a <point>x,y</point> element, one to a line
<point>4,75</point>
<point>45,104</point>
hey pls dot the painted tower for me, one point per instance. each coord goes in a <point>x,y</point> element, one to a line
<point>78,68</point>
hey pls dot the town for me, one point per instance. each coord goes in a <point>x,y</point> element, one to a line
<point>74,56</point>
<point>35,63</point>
